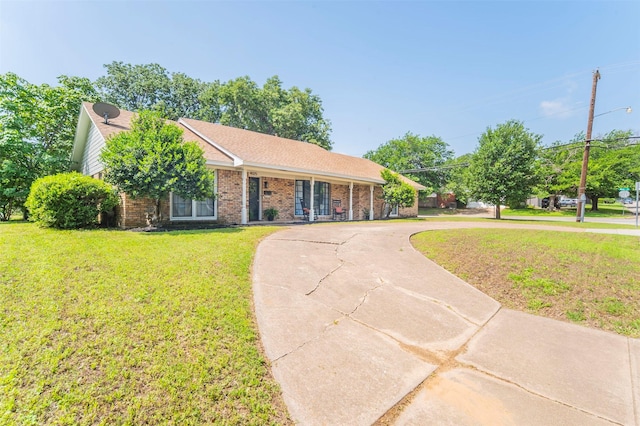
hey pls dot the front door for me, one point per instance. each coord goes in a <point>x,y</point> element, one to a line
<point>254,199</point>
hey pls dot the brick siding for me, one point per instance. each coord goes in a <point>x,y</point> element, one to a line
<point>278,193</point>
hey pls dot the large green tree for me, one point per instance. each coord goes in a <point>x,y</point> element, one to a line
<point>271,109</point>
<point>613,163</point>
<point>37,127</point>
<point>419,158</point>
<point>503,165</point>
<point>152,160</point>
<point>291,113</point>
<point>135,87</point>
<point>459,177</point>
<point>553,165</point>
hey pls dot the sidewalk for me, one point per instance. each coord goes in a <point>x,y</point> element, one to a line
<point>360,328</point>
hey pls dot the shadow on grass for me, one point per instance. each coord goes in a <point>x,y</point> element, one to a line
<point>453,212</point>
<point>13,222</point>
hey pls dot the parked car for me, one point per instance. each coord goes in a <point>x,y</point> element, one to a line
<point>568,202</point>
<point>545,203</point>
<point>628,200</point>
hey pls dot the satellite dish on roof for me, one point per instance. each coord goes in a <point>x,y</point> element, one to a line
<point>106,110</point>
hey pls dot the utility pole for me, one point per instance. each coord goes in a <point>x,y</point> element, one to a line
<point>587,145</point>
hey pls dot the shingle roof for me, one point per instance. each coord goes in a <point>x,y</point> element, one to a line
<point>123,123</point>
<point>259,150</point>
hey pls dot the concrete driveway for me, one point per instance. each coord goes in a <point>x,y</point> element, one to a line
<point>360,329</point>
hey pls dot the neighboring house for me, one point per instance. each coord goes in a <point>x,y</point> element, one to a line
<point>442,201</point>
<point>253,172</point>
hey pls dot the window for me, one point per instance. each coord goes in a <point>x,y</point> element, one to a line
<point>205,208</point>
<point>185,209</point>
<point>321,197</point>
<point>180,207</point>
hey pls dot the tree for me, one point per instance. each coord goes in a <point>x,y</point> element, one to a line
<point>552,166</point>
<point>152,160</point>
<point>412,152</point>
<point>37,125</point>
<point>396,192</point>
<point>613,163</point>
<point>503,165</point>
<point>293,113</point>
<point>458,177</point>
<point>135,87</point>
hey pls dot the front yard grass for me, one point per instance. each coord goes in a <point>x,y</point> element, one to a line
<point>112,327</point>
<point>591,279</point>
<point>615,210</point>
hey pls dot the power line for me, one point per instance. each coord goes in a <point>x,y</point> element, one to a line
<point>434,169</point>
<point>597,140</point>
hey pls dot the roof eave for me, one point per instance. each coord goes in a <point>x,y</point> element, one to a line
<point>80,139</point>
<point>314,173</point>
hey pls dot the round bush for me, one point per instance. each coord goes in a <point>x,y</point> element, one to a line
<point>69,200</point>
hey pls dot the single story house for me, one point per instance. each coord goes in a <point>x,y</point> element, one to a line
<point>253,172</point>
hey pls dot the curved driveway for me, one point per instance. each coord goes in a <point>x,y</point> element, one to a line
<point>360,328</point>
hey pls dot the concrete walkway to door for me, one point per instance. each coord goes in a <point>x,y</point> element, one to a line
<point>360,328</point>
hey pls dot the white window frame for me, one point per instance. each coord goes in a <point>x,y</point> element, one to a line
<point>394,211</point>
<point>193,216</point>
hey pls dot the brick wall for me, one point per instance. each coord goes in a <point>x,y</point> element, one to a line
<point>229,197</point>
<point>279,194</point>
<point>132,212</point>
<point>409,211</point>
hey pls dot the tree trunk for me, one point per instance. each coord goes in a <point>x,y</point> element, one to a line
<point>158,211</point>
<point>498,211</point>
<point>594,204</point>
<point>155,218</point>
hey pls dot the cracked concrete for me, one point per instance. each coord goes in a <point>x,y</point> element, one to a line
<point>361,329</point>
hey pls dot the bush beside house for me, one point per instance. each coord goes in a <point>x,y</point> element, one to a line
<point>70,200</point>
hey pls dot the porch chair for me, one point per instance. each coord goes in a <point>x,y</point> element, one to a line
<point>305,210</point>
<point>338,211</point>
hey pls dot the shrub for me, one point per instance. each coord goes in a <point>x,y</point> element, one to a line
<point>70,200</point>
<point>271,213</point>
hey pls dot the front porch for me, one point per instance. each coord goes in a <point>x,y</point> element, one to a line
<point>307,200</point>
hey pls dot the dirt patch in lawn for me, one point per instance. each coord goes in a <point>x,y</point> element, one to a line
<point>591,279</point>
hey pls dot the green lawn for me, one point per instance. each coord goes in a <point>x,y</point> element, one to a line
<point>113,327</point>
<point>591,279</point>
<point>615,210</point>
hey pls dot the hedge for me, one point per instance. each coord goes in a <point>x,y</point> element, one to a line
<point>70,200</point>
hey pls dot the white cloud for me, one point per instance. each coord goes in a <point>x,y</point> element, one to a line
<point>557,108</point>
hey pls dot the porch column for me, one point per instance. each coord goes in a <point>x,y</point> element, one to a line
<point>371,203</point>
<point>350,200</point>
<point>311,210</point>
<point>243,210</point>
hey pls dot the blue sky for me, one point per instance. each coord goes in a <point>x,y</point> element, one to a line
<point>448,69</point>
